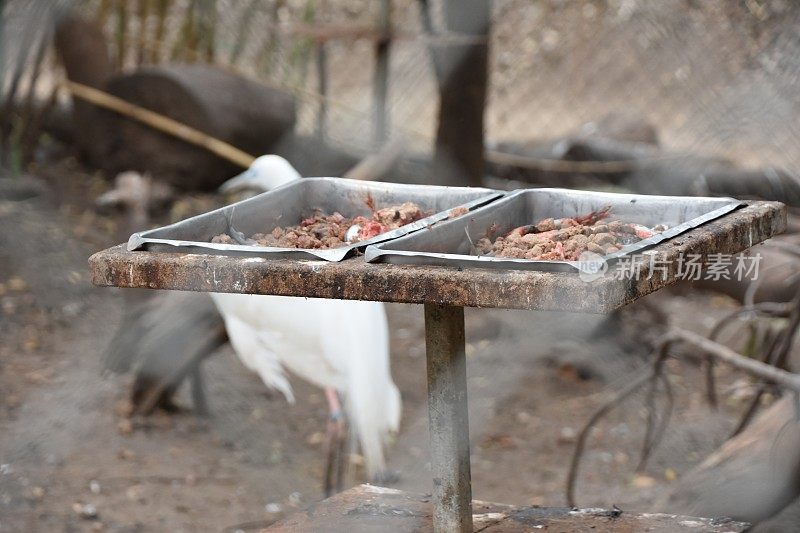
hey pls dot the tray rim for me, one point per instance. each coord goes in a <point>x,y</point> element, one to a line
<point>376,253</point>
<point>138,241</point>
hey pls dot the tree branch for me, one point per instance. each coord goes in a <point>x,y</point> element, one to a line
<point>755,368</point>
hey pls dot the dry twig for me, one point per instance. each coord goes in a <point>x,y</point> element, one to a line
<point>755,368</point>
<point>607,407</point>
<point>770,371</point>
<point>652,437</point>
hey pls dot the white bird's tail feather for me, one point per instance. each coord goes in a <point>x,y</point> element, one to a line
<point>372,400</point>
<point>251,347</point>
<point>373,414</point>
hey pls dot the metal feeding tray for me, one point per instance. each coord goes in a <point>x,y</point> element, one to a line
<point>450,243</point>
<point>289,204</point>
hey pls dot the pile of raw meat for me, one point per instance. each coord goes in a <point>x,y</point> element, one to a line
<point>330,231</point>
<point>566,238</point>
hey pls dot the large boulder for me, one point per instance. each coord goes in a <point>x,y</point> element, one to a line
<point>241,112</point>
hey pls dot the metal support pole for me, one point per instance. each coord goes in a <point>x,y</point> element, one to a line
<point>448,419</point>
<point>380,88</point>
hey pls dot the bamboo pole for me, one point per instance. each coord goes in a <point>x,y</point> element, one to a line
<point>162,10</point>
<point>185,46</point>
<point>143,14</point>
<point>266,59</point>
<point>159,122</point>
<point>207,28</point>
<point>121,32</point>
<point>27,138</point>
<point>243,35</point>
<point>103,11</point>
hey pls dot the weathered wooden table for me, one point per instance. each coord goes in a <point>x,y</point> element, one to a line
<point>444,293</point>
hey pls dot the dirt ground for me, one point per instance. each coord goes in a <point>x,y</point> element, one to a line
<point>70,460</point>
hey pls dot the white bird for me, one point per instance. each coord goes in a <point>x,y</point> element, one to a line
<point>339,345</point>
<point>265,173</point>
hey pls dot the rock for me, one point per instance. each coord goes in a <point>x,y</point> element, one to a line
<point>85,511</point>
<point>568,435</point>
<point>751,477</point>
<point>125,426</point>
<point>126,455</point>
<point>243,113</point>
<point>642,481</point>
<point>273,508</point>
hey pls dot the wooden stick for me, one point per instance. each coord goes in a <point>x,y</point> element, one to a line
<point>159,122</point>
<point>755,368</point>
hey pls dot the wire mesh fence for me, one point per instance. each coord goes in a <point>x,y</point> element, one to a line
<point>716,78</point>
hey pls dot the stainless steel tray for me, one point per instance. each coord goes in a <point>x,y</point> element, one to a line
<point>288,204</point>
<point>449,243</point>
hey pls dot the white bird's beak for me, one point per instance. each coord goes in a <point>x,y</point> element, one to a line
<point>245,180</point>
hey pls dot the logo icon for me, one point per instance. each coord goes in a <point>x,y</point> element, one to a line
<point>591,266</point>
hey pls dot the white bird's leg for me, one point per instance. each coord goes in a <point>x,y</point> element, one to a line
<point>337,458</point>
<point>336,415</point>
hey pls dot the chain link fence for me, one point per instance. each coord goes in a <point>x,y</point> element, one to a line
<point>713,78</point>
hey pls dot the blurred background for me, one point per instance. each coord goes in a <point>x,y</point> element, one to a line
<point>675,97</point>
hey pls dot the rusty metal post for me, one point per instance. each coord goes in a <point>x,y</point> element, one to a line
<point>448,419</point>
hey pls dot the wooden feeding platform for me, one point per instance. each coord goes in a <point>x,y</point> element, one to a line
<point>444,291</point>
